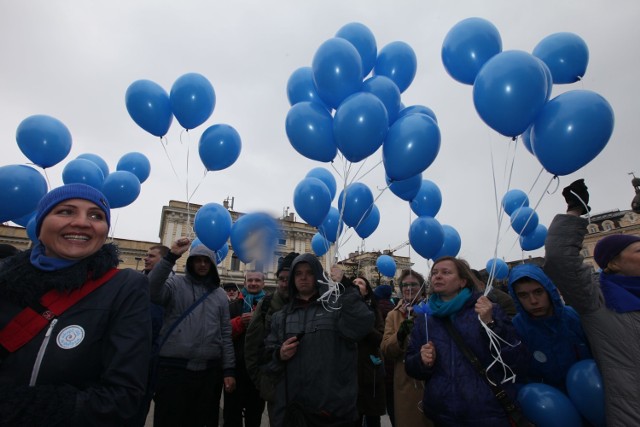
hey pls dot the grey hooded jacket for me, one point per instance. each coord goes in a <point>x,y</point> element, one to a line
<point>205,334</point>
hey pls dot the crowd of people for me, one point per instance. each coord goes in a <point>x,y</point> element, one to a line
<point>83,343</point>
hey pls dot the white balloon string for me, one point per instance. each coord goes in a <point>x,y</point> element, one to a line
<point>330,297</point>
<point>113,228</point>
<point>169,157</point>
<point>508,375</point>
<point>199,183</point>
<point>586,208</point>
<point>190,232</point>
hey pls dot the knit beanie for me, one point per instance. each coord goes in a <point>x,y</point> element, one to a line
<point>285,263</point>
<point>68,192</point>
<point>609,247</point>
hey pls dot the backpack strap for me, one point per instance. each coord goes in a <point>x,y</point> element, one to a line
<point>31,320</point>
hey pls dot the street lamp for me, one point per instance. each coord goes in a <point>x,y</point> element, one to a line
<point>138,259</point>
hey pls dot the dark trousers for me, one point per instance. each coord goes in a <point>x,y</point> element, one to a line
<point>244,402</point>
<point>186,398</point>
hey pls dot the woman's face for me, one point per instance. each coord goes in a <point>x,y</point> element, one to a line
<point>410,287</point>
<point>445,280</point>
<point>627,262</point>
<point>360,283</point>
<point>73,230</point>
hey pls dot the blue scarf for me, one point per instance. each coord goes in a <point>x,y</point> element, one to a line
<point>251,300</point>
<point>440,308</point>
<point>621,293</point>
<point>42,262</point>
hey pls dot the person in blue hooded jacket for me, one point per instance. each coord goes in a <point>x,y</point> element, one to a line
<point>550,329</point>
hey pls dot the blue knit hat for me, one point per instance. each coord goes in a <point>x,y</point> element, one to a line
<point>609,247</point>
<point>68,192</point>
<point>383,291</point>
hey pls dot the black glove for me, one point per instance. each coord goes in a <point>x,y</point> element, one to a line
<point>573,203</point>
<point>405,329</point>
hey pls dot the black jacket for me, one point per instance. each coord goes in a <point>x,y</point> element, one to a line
<point>94,369</point>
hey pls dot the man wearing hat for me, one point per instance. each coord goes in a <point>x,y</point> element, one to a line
<point>609,305</point>
<point>232,291</point>
<point>259,329</point>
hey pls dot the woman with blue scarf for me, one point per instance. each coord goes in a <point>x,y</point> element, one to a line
<point>608,303</point>
<point>455,394</point>
<point>85,361</point>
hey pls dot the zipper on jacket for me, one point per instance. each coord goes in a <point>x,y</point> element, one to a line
<point>40,356</point>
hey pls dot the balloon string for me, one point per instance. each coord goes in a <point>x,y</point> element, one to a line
<point>168,157</point>
<point>113,229</point>
<point>199,183</point>
<point>190,232</point>
<point>46,177</point>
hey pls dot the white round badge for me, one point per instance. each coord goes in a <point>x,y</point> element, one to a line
<point>540,356</point>
<point>70,337</point>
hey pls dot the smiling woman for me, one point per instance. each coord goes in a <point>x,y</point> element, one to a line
<point>79,309</point>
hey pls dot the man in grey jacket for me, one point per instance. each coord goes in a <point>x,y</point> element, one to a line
<point>197,355</point>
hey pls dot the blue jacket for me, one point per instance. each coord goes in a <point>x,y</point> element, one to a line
<point>455,394</point>
<point>555,343</point>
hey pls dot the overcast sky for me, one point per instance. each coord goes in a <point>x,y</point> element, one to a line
<point>74,60</point>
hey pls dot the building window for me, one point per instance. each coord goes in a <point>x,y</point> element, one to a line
<point>607,225</point>
<point>592,228</point>
<point>585,253</point>
<point>235,263</point>
<point>282,242</point>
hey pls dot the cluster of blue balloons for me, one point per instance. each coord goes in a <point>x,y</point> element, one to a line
<point>545,405</point>
<point>253,236</point>
<point>524,220</point>
<point>191,101</point>
<point>512,91</point>
<point>335,105</point>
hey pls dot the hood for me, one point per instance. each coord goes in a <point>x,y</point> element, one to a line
<point>534,272</point>
<point>201,250</point>
<point>317,269</point>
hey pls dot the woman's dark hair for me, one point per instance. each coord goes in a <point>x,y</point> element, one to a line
<point>369,296</point>
<point>464,271</point>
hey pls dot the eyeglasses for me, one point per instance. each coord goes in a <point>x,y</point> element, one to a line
<point>409,285</point>
<point>283,279</point>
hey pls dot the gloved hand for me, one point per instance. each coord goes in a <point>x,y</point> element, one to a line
<point>405,329</point>
<point>573,203</point>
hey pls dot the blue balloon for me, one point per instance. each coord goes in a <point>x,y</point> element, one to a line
<point>468,46</point>
<point>21,188</point>
<point>23,221</point>
<point>397,60</point>
<point>192,100</point>
<point>45,140</point>
<point>312,200</point>
<point>571,130</point>
<point>325,176</point>
<point>358,202</point>
<point>300,87</point>
<point>451,245</point>
<point>319,244</point>
<point>524,220</point>
<point>212,225</point>
<point>547,73</point>
<point>428,200</point>
<point>31,230</point>
<point>149,106</point>
<point>586,391</point>
<point>369,224</point>
<point>310,131</point>
<point>514,199</point>
<point>98,161</point>
<point>361,37</point>
<point>337,71</point>
<point>83,171</point>
<point>222,253</point>
<point>136,163</point>
<point>360,125</point>
<point>535,239</point>
<point>526,139</point>
<point>411,145</point>
<point>332,225</point>
<point>406,189</point>
<point>386,265</point>
<point>509,92</point>
<point>219,147</point>
<point>417,109</point>
<point>254,237</point>
<point>387,91</point>
<point>547,406</point>
<point>426,236</point>
<point>566,55</point>
<point>498,268</point>
<point>121,188</point>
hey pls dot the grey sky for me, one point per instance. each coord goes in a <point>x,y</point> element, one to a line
<point>75,59</point>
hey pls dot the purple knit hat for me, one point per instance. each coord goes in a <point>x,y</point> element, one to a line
<point>609,247</point>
